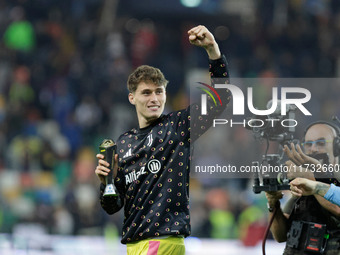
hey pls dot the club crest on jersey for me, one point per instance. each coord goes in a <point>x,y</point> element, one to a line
<point>154,166</point>
<point>150,140</point>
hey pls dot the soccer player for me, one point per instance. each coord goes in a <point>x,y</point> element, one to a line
<point>152,170</point>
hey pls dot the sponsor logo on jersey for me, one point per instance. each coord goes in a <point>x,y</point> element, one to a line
<point>153,166</point>
<point>128,153</point>
<point>133,176</point>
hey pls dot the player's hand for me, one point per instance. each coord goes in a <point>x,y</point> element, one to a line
<point>102,169</point>
<point>201,36</point>
<point>273,197</point>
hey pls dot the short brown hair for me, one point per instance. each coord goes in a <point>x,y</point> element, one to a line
<point>145,73</point>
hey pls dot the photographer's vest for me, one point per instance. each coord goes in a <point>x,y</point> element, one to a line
<point>308,209</point>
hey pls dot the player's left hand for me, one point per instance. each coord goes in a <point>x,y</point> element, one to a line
<point>201,36</point>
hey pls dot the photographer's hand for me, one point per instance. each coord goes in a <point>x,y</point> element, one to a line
<point>279,225</point>
<point>297,156</point>
<point>298,171</point>
<point>273,197</point>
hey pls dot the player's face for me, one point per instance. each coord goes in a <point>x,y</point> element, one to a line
<point>319,139</point>
<point>149,100</point>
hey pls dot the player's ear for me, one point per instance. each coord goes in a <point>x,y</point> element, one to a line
<point>131,98</point>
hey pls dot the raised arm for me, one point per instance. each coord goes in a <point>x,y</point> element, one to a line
<point>201,36</point>
<point>217,100</point>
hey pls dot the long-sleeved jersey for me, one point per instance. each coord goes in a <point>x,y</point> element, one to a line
<point>153,169</point>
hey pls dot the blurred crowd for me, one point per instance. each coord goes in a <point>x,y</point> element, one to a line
<point>63,72</point>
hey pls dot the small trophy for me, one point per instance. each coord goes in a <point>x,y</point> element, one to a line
<point>108,149</point>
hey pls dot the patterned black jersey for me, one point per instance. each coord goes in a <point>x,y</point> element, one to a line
<point>153,173</point>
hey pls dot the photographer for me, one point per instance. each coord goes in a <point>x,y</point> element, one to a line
<point>309,224</point>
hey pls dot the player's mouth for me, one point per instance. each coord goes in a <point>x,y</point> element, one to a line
<point>153,107</point>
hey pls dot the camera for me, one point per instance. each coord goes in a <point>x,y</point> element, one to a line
<point>270,174</point>
<point>274,127</point>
